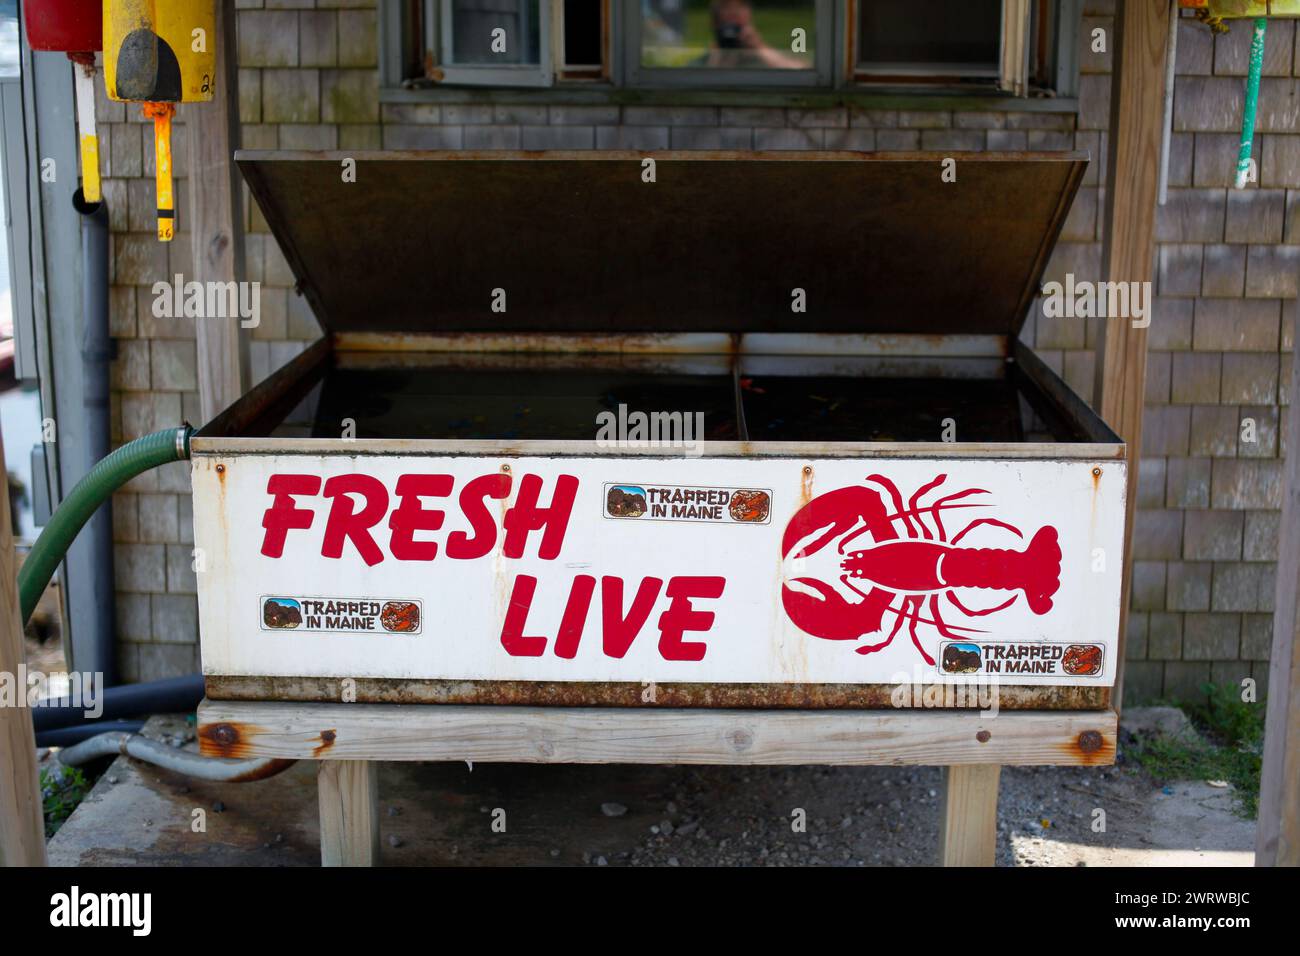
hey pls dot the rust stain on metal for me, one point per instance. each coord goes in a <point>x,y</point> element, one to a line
<point>983,736</point>
<point>627,694</point>
<point>569,345</point>
<point>502,583</point>
<point>806,485</point>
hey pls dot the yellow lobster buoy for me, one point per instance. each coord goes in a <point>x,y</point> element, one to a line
<point>160,53</point>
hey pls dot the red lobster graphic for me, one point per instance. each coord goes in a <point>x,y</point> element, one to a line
<point>922,564</point>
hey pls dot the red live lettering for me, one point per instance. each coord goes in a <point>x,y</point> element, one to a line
<point>682,617</point>
<point>619,631</point>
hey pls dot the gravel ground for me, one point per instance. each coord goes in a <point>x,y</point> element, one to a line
<point>872,816</point>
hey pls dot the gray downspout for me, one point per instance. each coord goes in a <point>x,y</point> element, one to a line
<point>97,353</point>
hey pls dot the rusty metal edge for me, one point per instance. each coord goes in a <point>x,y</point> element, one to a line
<point>1066,401</point>
<point>248,156</point>
<point>274,396</point>
<point>748,344</point>
<point>372,690</point>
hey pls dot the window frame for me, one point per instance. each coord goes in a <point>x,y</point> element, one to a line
<point>542,73</point>
<point>567,73</point>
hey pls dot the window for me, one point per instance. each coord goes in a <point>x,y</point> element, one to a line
<point>1018,47</point>
<point>955,38</point>
<point>728,42</point>
<point>498,42</point>
<point>584,40</point>
<point>493,41</point>
<point>9,52</point>
<point>1002,43</point>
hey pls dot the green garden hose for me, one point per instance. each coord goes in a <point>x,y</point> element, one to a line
<point>133,458</point>
<point>1252,102</point>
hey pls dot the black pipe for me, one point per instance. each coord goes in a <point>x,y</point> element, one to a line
<point>97,353</point>
<point>67,736</point>
<point>175,695</point>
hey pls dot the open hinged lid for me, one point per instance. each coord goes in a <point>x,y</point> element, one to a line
<point>718,242</point>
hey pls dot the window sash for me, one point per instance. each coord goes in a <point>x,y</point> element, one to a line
<point>1016,36</point>
<point>440,38</point>
<point>1011,72</point>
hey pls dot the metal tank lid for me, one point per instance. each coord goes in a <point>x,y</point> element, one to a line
<point>718,242</point>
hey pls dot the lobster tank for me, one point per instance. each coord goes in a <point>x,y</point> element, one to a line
<point>691,429</point>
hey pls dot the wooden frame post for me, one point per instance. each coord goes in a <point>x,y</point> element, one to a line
<point>1128,247</point>
<point>216,233</point>
<point>348,792</point>
<point>22,824</point>
<point>1278,836</point>
<point>969,834</point>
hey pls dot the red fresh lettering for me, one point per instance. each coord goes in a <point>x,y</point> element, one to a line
<point>525,516</point>
<point>283,513</point>
<point>344,523</point>
<point>473,505</point>
<point>410,516</point>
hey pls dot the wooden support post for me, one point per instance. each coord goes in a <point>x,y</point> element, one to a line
<point>1278,836</point>
<point>216,233</point>
<point>1136,107</point>
<point>22,826</point>
<point>969,836</point>
<point>348,791</point>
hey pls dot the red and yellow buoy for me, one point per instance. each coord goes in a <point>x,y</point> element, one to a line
<point>160,53</point>
<point>74,27</point>
<point>161,114</point>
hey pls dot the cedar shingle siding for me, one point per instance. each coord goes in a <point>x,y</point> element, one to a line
<point>1222,327</point>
